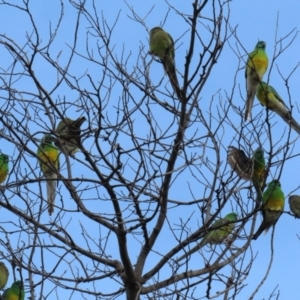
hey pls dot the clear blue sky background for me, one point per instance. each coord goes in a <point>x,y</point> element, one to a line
<point>254,20</point>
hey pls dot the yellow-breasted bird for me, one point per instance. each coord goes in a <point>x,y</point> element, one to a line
<point>48,156</point>
<point>256,67</point>
<point>272,207</point>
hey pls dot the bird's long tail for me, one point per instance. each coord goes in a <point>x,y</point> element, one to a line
<point>259,195</point>
<point>261,228</point>
<point>295,126</point>
<point>171,71</point>
<point>250,99</point>
<point>292,122</point>
<point>51,191</point>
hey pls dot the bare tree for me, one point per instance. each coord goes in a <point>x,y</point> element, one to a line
<point>151,176</point>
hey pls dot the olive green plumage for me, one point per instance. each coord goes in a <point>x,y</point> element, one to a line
<point>4,169</point>
<point>259,168</point>
<point>223,227</point>
<point>269,98</point>
<point>3,275</point>
<point>69,135</point>
<point>162,46</point>
<point>259,172</point>
<point>15,292</point>
<point>294,202</point>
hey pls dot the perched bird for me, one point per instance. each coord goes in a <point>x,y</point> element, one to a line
<point>3,167</point>
<point>3,275</point>
<point>259,172</point>
<point>294,202</point>
<point>247,168</point>
<point>15,292</point>
<point>48,156</point>
<point>162,46</point>
<point>269,98</point>
<point>272,207</point>
<point>240,163</point>
<point>69,135</point>
<point>217,236</point>
<point>259,168</point>
<point>256,67</point>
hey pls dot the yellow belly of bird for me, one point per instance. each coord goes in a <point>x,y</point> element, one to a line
<point>259,173</point>
<point>275,204</point>
<point>14,297</point>
<point>3,175</point>
<point>51,156</point>
<point>267,99</point>
<point>260,66</point>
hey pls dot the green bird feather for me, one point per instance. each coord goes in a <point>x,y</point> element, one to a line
<point>3,275</point>
<point>269,98</point>
<point>15,292</point>
<point>256,67</point>
<point>4,169</point>
<point>259,169</point>
<point>162,46</point>
<point>223,227</point>
<point>272,207</point>
<point>48,156</point>
<point>69,135</point>
<point>294,202</point>
<point>259,172</point>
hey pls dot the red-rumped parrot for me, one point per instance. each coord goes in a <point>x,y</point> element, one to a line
<point>256,67</point>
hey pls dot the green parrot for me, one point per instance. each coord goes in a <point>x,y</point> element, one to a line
<point>3,167</point>
<point>69,135</point>
<point>15,292</point>
<point>48,156</point>
<point>259,172</point>
<point>294,202</point>
<point>272,207</point>
<point>162,46</point>
<point>3,275</point>
<point>216,236</point>
<point>259,169</point>
<point>256,67</point>
<point>269,98</point>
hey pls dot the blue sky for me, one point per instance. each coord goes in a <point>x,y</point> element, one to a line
<point>253,20</point>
